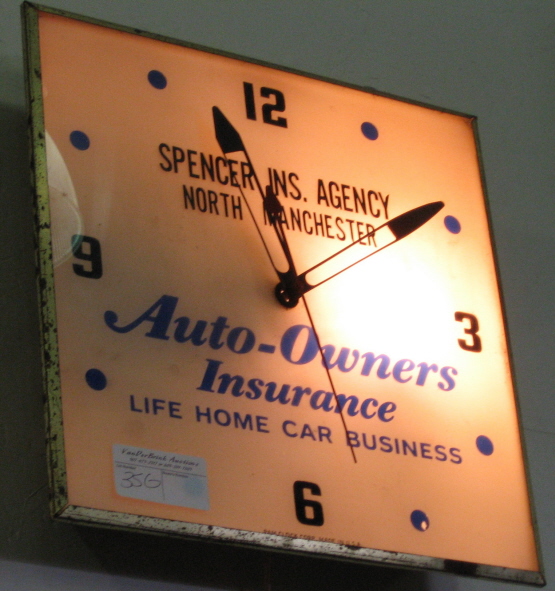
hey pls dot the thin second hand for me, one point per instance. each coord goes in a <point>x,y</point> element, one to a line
<point>324,362</point>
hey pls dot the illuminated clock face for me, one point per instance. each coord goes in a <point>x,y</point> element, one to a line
<point>373,411</point>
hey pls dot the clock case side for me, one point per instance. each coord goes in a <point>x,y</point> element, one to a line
<point>541,581</point>
<point>44,263</point>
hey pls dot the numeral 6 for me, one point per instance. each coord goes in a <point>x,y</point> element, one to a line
<point>308,511</point>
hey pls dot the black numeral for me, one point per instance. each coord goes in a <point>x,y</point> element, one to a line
<point>91,254</point>
<point>308,511</point>
<point>250,105</point>
<point>269,109</point>
<point>475,343</point>
<point>278,106</point>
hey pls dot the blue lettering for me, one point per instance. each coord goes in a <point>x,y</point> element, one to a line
<point>341,361</point>
<point>174,409</point>
<point>456,458</point>
<point>299,392</point>
<point>386,444</point>
<point>385,409</point>
<point>364,407</point>
<point>352,439</point>
<point>285,427</point>
<point>324,433</point>
<point>401,367</point>
<point>298,345</point>
<point>450,382</point>
<point>423,373</point>
<point>440,450</point>
<point>255,391</point>
<point>370,359</point>
<point>342,401</point>
<point>261,424</point>
<point>286,394</point>
<point>290,429</point>
<point>425,451</point>
<point>282,396</point>
<point>307,432</point>
<point>206,414</point>
<point>219,325</point>
<point>196,336</point>
<point>289,341</point>
<point>322,399</point>
<point>222,417</point>
<point>412,448</point>
<point>210,375</point>
<point>365,442</point>
<point>158,405</point>
<point>132,404</point>
<point>234,338</point>
<point>242,422</point>
<point>226,379</point>
<point>160,321</point>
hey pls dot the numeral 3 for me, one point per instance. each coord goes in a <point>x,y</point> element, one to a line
<point>475,342</point>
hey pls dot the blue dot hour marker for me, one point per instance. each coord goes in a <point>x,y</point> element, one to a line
<point>484,445</point>
<point>79,140</point>
<point>420,520</point>
<point>452,224</point>
<point>96,379</point>
<point>369,131</point>
<point>157,79</point>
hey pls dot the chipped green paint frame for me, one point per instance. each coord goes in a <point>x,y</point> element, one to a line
<point>59,503</point>
<point>45,277</point>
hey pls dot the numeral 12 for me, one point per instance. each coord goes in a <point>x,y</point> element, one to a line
<point>268,108</point>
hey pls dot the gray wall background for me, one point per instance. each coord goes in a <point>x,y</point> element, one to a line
<point>491,58</point>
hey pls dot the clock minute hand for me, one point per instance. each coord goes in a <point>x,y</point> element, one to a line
<point>280,256</point>
<point>383,236</point>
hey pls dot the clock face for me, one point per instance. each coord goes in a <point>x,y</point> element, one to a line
<point>377,415</point>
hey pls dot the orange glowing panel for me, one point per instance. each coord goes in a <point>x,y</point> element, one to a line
<point>270,305</point>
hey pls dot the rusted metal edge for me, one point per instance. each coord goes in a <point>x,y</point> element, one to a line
<point>45,268</point>
<point>99,517</point>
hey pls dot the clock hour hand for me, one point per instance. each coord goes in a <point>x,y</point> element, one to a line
<point>382,237</point>
<point>275,243</point>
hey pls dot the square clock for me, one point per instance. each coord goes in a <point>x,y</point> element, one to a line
<point>270,308</point>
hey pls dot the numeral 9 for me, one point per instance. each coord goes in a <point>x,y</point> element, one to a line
<point>91,254</point>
